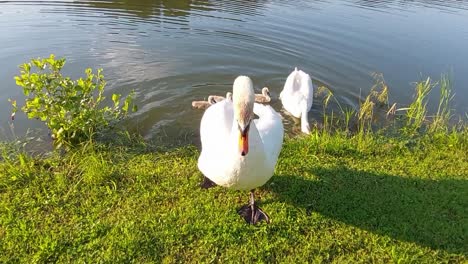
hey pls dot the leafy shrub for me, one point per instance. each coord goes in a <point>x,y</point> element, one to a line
<point>71,109</point>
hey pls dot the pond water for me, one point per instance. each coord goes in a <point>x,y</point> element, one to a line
<point>172,52</point>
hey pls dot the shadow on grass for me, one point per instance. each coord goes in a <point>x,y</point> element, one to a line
<point>431,213</point>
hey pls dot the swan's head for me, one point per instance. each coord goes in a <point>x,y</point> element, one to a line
<point>243,98</point>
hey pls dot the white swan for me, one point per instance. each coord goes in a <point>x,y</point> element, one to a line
<point>297,97</point>
<point>239,152</point>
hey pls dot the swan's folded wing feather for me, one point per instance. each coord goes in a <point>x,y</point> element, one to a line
<point>216,125</point>
<point>306,88</point>
<point>270,128</point>
<point>289,85</point>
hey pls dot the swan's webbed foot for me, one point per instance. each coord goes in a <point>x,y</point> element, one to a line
<point>251,213</point>
<point>207,183</point>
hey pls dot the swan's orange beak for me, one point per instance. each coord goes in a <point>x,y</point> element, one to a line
<point>244,140</point>
<point>244,144</point>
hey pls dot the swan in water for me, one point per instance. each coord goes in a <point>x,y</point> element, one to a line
<point>212,99</point>
<point>296,97</point>
<point>219,98</point>
<point>240,152</point>
<point>264,97</point>
<point>204,104</point>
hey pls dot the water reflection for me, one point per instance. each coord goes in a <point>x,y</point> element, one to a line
<point>176,8</point>
<point>150,8</point>
<point>438,4</point>
<point>175,51</point>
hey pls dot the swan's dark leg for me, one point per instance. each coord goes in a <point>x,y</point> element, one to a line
<point>252,213</point>
<point>207,183</point>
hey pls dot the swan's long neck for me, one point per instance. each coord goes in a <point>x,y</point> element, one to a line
<point>243,98</point>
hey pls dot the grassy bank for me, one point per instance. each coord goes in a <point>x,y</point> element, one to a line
<point>333,198</point>
<point>380,184</point>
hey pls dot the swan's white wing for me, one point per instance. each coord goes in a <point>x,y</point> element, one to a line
<point>291,96</point>
<point>270,128</point>
<point>306,88</point>
<point>289,88</point>
<point>215,128</point>
<point>289,84</point>
<point>216,125</point>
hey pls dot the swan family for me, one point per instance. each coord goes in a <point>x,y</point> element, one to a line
<point>264,97</point>
<point>240,151</point>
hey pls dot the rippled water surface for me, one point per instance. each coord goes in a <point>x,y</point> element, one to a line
<point>172,52</point>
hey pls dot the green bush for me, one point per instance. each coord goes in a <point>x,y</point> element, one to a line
<point>71,109</point>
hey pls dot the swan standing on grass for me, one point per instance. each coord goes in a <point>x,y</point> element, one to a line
<point>296,97</point>
<point>239,152</point>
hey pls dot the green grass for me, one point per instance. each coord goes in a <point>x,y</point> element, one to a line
<point>361,188</point>
<point>332,199</point>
